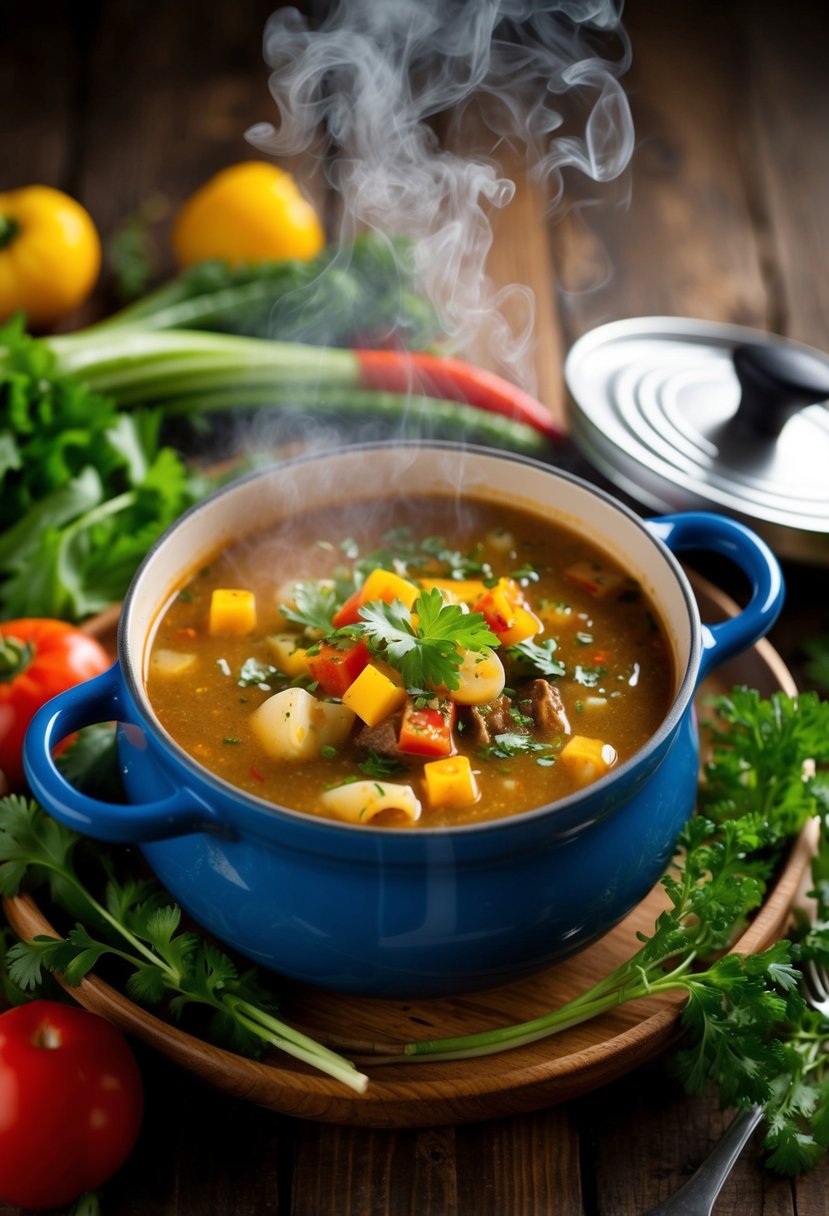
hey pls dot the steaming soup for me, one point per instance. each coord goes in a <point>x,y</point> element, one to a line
<point>413,672</point>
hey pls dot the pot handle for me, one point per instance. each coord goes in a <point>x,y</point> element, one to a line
<point>718,534</point>
<point>99,700</point>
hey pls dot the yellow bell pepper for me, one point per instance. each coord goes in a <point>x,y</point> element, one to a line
<point>250,212</point>
<point>50,254</point>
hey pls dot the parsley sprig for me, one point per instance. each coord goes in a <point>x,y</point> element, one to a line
<point>749,1031</point>
<point>426,651</point>
<point>138,925</point>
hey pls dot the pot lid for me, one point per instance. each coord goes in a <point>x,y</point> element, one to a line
<point>685,414</point>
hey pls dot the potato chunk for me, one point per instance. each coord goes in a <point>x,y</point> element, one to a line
<point>294,725</point>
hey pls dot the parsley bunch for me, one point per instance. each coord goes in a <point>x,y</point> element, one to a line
<point>138,925</point>
<point>749,1031</point>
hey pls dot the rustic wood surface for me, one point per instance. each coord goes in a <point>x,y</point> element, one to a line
<point>727,219</point>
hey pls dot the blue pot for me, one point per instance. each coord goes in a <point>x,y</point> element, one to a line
<point>427,911</point>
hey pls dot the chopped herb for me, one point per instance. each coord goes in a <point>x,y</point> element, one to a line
<point>589,677</point>
<point>256,674</point>
<point>510,744</point>
<point>376,765</point>
<point>350,548</point>
<point>325,544</point>
<point>185,596</point>
<point>231,739</point>
<point>539,656</point>
<point>327,751</point>
<point>527,574</point>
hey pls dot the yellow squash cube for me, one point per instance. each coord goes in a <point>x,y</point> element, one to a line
<point>374,696</point>
<point>232,611</point>
<point>450,782</point>
<point>587,759</point>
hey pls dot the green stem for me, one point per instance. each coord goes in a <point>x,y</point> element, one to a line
<point>15,657</point>
<point>293,1042</point>
<point>9,228</point>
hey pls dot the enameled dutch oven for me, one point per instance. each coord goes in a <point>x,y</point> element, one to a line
<point>421,911</point>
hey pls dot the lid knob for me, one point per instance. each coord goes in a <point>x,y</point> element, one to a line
<point>777,379</point>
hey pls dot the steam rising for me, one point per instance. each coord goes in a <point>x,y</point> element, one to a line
<point>376,80</point>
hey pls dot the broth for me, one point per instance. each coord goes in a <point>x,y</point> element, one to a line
<point>587,671</point>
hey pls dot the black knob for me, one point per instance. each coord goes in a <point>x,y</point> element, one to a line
<point>777,379</point>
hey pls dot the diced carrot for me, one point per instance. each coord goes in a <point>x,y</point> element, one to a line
<point>427,730</point>
<point>451,782</point>
<point>336,669</point>
<point>380,585</point>
<point>232,611</point>
<point>506,613</point>
<point>374,696</point>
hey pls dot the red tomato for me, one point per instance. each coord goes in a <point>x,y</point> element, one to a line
<point>427,731</point>
<point>38,659</point>
<point>71,1102</point>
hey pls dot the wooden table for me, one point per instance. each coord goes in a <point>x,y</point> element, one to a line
<point>726,218</point>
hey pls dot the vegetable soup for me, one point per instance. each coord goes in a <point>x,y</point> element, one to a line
<point>445,664</point>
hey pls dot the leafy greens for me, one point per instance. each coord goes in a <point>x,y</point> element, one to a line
<point>84,490</point>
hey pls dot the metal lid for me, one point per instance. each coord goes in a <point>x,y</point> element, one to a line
<point>685,414</point>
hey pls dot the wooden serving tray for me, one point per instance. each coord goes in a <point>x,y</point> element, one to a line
<point>522,1079</point>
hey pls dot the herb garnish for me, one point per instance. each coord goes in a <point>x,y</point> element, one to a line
<point>426,653</point>
<point>376,765</point>
<point>538,656</point>
<point>314,605</point>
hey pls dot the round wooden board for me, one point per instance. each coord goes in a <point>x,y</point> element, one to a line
<point>427,1094</point>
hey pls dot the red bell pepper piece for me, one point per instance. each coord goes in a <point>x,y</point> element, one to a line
<point>427,730</point>
<point>335,669</point>
<point>453,379</point>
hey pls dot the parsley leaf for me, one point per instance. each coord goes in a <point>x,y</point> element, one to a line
<point>538,656</point>
<point>427,653</point>
<point>315,603</point>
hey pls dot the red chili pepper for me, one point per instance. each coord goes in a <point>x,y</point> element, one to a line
<point>38,659</point>
<point>427,730</point>
<point>453,379</point>
<point>335,669</point>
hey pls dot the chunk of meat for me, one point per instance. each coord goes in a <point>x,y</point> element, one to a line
<point>382,738</point>
<point>547,708</point>
<point>483,722</point>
